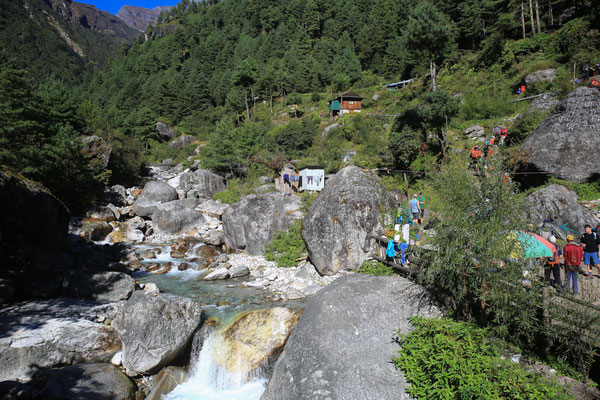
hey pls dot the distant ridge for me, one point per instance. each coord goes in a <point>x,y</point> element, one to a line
<point>139,17</point>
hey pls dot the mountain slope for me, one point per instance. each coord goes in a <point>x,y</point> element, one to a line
<point>139,17</point>
<point>59,38</point>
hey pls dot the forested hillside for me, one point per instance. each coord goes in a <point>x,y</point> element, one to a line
<point>60,39</point>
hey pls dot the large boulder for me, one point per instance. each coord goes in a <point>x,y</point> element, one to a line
<point>565,143</point>
<point>154,194</point>
<point>201,184</point>
<point>543,75</point>
<point>559,206</point>
<point>155,329</point>
<point>175,217</point>
<point>31,215</point>
<point>182,141</point>
<point>253,222</point>
<point>475,131</point>
<point>337,226</point>
<point>253,338</point>
<point>100,286</point>
<point>90,228</point>
<point>164,130</point>
<point>97,149</point>
<point>344,343</point>
<point>98,381</point>
<point>167,380</point>
<point>54,332</point>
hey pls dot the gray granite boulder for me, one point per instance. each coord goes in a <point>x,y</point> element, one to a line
<point>201,183</point>
<point>351,207</point>
<point>475,131</point>
<point>167,380</point>
<point>155,329</point>
<point>559,206</point>
<point>213,208</point>
<point>566,142</point>
<point>98,381</point>
<point>175,217</point>
<point>182,141</point>
<point>99,286</point>
<point>343,345</point>
<point>54,332</point>
<point>154,194</point>
<point>543,75</point>
<point>97,149</point>
<point>253,222</point>
<point>164,130</point>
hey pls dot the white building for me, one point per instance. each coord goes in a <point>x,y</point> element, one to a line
<point>312,177</point>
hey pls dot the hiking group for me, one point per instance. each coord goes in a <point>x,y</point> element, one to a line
<point>498,137</point>
<point>573,254</point>
<point>413,216</point>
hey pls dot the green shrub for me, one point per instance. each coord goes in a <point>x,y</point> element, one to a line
<point>286,247</point>
<point>585,191</point>
<point>526,124</point>
<point>228,196</point>
<point>372,267</point>
<point>444,359</point>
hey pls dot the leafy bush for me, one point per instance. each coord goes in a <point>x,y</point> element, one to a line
<point>286,247</point>
<point>444,359</point>
<point>529,122</point>
<point>585,191</point>
<point>372,267</point>
<point>228,196</point>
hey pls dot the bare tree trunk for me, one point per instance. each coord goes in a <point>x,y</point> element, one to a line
<point>550,11</point>
<point>271,99</point>
<point>246,101</point>
<point>523,18</point>
<point>433,71</point>
<point>253,101</point>
<point>537,15</point>
<point>531,16</point>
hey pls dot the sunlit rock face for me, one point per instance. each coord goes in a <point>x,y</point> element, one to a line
<point>253,338</point>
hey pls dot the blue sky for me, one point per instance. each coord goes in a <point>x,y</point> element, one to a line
<point>112,6</point>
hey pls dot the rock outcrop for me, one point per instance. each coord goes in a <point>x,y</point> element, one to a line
<point>343,344</point>
<point>97,149</point>
<point>154,194</point>
<point>475,131</point>
<point>54,332</point>
<point>155,329</point>
<point>565,142</point>
<point>182,141</point>
<point>31,215</point>
<point>201,184</point>
<point>139,17</point>
<point>176,217</point>
<point>253,222</point>
<point>100,286</point>
<point>253,338</point>
<point>89,381</point>
<point>162,129</point>
<point>543,75</point>
<point>167,380</point>
<point>335,229</point>
<point>559,206</point>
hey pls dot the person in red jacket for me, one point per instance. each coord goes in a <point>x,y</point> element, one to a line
<point>573,255</point>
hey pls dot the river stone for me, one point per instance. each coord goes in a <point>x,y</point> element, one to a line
<point>136,223</point>
<point>90,228</point>
<point>176,217</point>
<point>213,208</point>
<point>565,142</point>
<point>544,75</point>
<point>343,345</point>
<point>203,182</point>
<point>154,193</point>
<point>253,338</point>
<point>155,329</point>
<point>30,215</point>
<point>238,271</point>
<point>167,380</point>
<point>42,334</point>
<point>100,286</point>
<point>217,274</point>
<point>337,226</point>
<point>253,222</point>
<point>559,205</point>
<point>90,382</point>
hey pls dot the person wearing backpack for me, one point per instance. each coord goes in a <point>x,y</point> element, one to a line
<point>421,199</point>
<point>573,255</point>
<point>590,241</point>
<point>503,135</point>
<point>552,265</point>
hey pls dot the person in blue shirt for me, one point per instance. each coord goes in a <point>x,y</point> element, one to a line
<point>415,209</point>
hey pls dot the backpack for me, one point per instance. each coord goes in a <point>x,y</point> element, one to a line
<point>555,255</point>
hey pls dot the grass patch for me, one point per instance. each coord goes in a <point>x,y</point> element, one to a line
<point>286,246</point>
<point>445,359</point>
<point>372,267</point>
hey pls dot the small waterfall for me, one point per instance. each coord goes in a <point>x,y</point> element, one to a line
<point>210,381</point>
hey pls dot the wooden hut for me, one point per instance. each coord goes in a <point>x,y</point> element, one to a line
<point>346,103</point>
